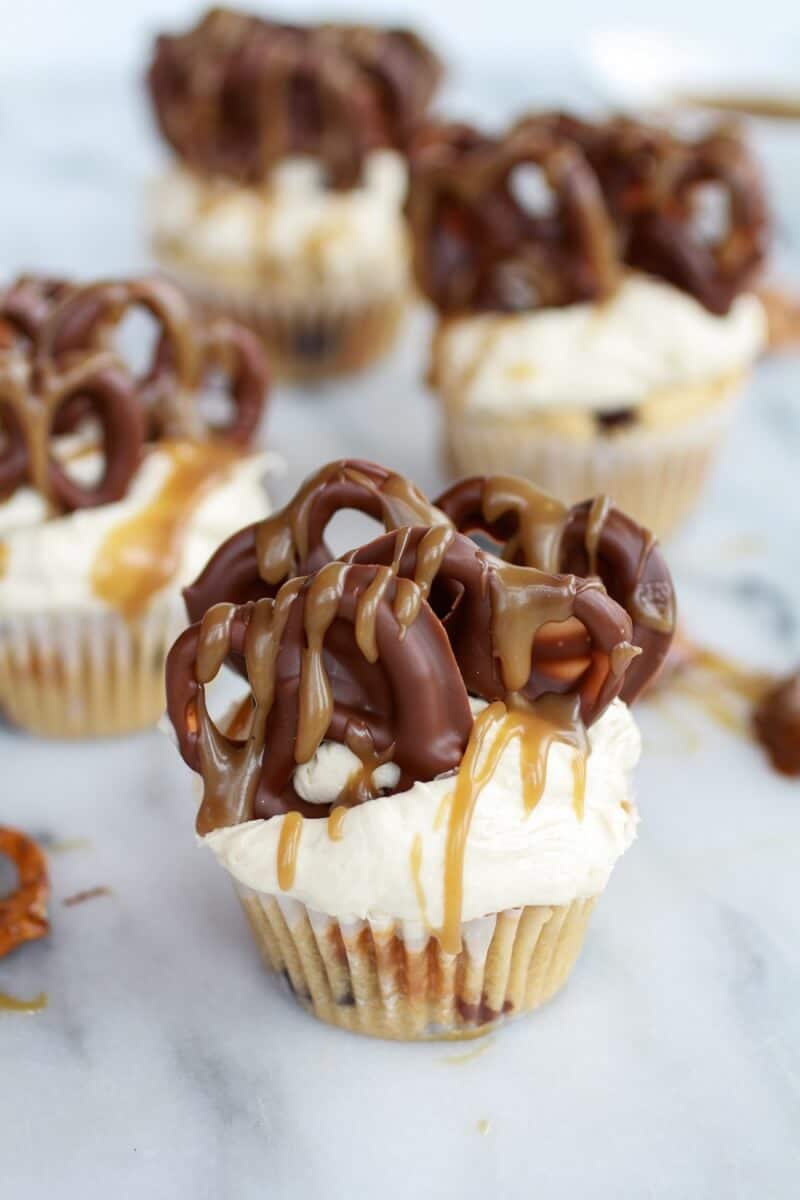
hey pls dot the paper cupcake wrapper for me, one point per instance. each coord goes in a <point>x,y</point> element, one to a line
<point>656,475</point>
<point>306,337</point>
<point>389,980</point>
<point>76,675</point>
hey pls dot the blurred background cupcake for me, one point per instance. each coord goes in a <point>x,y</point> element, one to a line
<point>114,490</point>
<point>593,287</point>
<point>284,207</point>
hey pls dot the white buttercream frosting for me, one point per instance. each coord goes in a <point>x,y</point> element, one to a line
<point>292,229</point>
<point>48,560</point>
<point>512,857</point>
<point>649,337</point>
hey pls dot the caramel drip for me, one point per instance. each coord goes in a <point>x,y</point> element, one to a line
<point>361,786</point>
<point>415,863</point>
<point>336,822</point>
<point>723,688</point>
<point>288,847</point>
<point>407,602</point>
<point>523,601</point>
<point>540,520</point>
<point>367,611</point>
<point>215,641</point>
<point>643,606</point>
<point>230,772</point>
<point>551,719</point>
<point>139,557</point>
<point>411,593</point>
<point>595,523</point>
<point>4,556</point>
<point>15,1004</point>
<point>316,696</point>
<point>283,539</point>
<point>400,543</point>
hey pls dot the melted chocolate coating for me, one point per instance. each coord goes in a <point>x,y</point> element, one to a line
<point>413,684</point>
<point>476,247</point>
<point>238,93</point>
<point>777,725</point>
<point>384,645</point>
<point>630,199</point>
<point>626,557</point>
<point>56,337</point>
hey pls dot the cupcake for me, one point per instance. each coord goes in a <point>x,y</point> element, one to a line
<point>285,206</point>
<point>114,491</point>
<point>428,782</point>
<point>592,284</point>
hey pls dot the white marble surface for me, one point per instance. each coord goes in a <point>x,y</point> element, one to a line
<point>167,1063</point>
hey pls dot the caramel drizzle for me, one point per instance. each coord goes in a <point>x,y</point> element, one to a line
<point>230,772</point>
<point>283,539</point>
<point>139,557</point>
<point>336,822</point>
<point>551,719</point>
<point>33,394</point>
<point>523,601</point>
<point>431,551</point>
<point>15,1004</point>
<point>595,523</point>
<point>316,695</point>
<point>540,520</point>
<point>288,849</point>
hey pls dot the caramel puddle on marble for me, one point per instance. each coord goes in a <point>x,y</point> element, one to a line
<point>67,845</point>
<point>725,691</point>
<point>139,557</point>
<point>468,1056</point>
<point>15,1004</point>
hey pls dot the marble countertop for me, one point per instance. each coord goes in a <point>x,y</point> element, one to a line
<point>167,1064</point>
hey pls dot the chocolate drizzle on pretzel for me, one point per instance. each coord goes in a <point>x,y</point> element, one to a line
<point>238,93</point>
<point>379,650</point>
<point>626,195</point>
<point>59,369</point>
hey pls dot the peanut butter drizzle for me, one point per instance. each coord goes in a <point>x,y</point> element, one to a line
<point>288,847</point>
<point>15,1004</point>
<point>541,519</point>
<point>139,557</point>
<point>231,772</point>
<point>595,523</point>
<point>316,696</point>
<point>551,719</point>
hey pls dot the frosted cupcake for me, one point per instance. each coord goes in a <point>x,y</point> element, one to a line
<point>284,207</point>
<point>114,491</point>
<point>595,313</point>
<point>428,783</point>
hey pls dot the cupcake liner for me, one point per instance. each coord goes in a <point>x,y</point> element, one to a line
<point>87,674</point>
<point>656,475</point>
<point>392,980</point>
<point>306,337</point>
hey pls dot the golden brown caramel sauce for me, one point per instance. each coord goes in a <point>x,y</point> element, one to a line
<point>367,611</point>
<point>541,520</point>
<point>598,514</point>
<point>360,785</point>
<point>551,719</point>
<point>288,846</point>
<point>16,1005</point>
<point>137,558</point>
<point>316,695</point>
<point>521,605</point>
<point>4,555</point>
<point>336,822</point>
